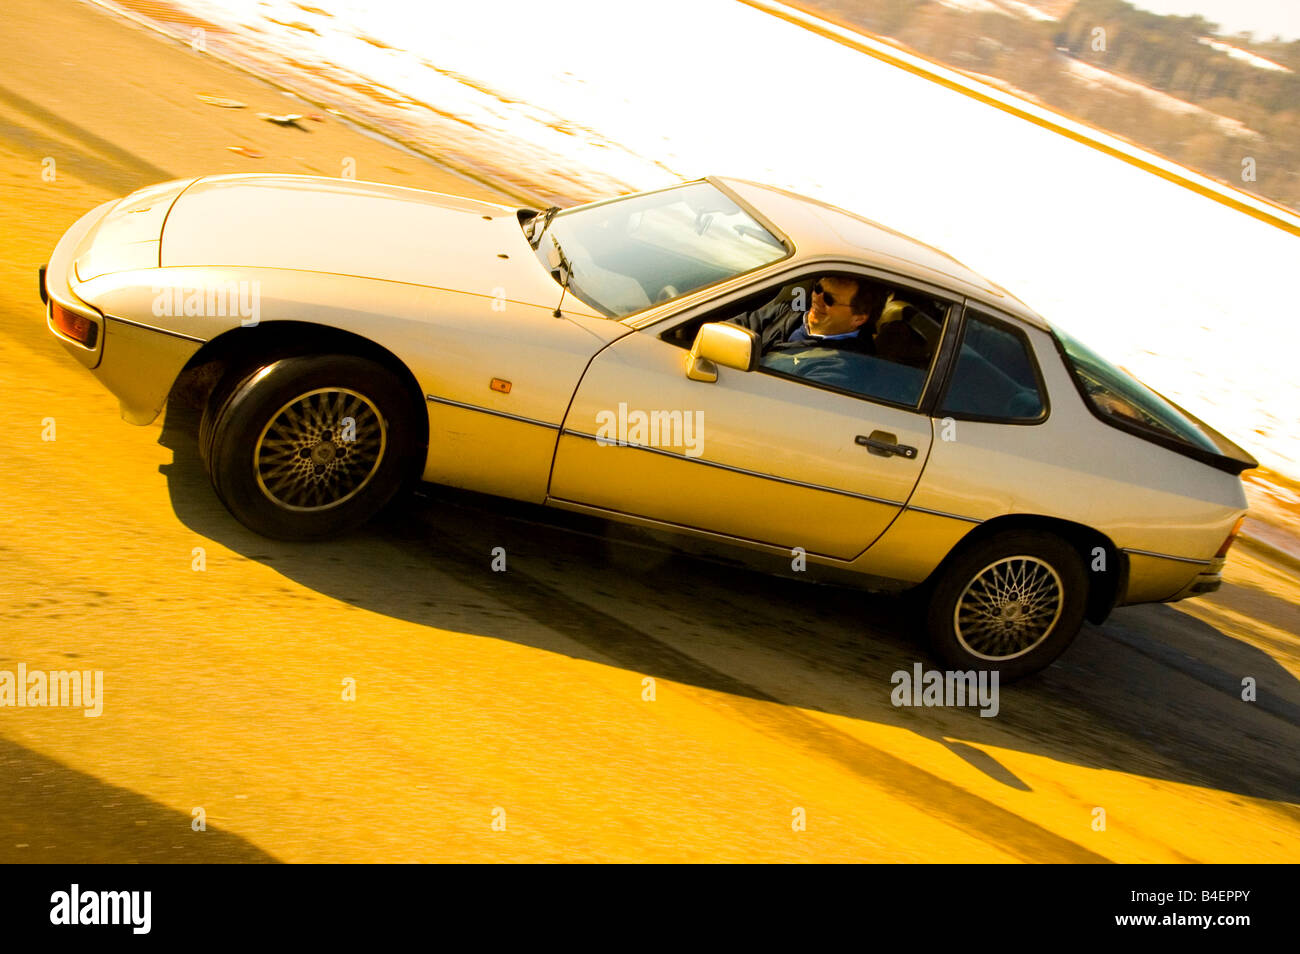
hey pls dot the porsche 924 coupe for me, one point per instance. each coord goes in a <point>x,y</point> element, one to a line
<point>721,359</point>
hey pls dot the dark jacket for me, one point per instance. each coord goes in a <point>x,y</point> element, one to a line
<point>776,321</point>
<point>849,364</point>
<point>859,364</point>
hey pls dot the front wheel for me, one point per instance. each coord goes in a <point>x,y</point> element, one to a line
<point>309,447</point>
<point>1011,603</point>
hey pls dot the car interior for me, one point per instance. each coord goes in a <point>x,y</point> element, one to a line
<point>611,259</point>
<point>898,343</point>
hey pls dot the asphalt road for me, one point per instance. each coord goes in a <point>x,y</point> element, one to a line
<point>515,697</point>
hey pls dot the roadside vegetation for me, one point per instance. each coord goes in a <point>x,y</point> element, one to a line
<point>1171,84</point>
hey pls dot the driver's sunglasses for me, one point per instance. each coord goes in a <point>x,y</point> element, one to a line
<point>827,297</point>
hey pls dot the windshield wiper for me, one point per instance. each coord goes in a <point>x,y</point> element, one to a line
<point>534,233</point>
<point>565,270</point>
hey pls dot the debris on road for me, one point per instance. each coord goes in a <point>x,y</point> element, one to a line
<point>288,119</point>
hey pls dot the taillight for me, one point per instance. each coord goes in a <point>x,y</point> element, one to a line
<point>1236,529</point>
<point>72,325</point>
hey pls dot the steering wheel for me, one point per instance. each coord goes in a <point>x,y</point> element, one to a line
<point>666,293</point>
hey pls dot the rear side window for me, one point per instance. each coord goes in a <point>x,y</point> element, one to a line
<point>994,377</point>
<point>1119,398</point>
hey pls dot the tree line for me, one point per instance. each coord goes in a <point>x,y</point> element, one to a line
<point>1164,53</point>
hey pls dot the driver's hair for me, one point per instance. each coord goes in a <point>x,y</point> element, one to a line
<point>866,300</point>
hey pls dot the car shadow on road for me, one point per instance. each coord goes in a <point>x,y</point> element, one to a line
<point>1126,697</point>
<point>53,814</point>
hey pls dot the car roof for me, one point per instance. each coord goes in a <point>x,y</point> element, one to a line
<point>819,230</point>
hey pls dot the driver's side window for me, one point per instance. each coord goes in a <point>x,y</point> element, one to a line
<point>874,339</point>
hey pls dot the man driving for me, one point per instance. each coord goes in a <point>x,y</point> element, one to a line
<point>839,308</point>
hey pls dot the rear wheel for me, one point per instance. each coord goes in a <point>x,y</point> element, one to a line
<point>1011,603</point>
<point>309,447</point>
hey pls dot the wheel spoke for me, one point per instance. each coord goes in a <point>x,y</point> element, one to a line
<point>1008,608</point>
<point>301,459</point>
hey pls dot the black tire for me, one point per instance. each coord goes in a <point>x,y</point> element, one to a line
<point>1022,597</point>
<point>235,374</point>
<point>284,459</point>
<point>213,407</point>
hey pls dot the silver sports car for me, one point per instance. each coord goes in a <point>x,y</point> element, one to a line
<point>736,364</point>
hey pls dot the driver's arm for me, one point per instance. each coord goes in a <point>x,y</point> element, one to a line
<point>760,319</point>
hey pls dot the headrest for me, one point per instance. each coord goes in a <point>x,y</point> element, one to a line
<point>898,310</point>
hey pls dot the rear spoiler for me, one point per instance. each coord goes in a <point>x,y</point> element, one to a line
<point>1231,457</point>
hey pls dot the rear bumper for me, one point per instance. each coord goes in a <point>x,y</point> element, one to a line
<point>1207,581</point>
<point>1157,578</point>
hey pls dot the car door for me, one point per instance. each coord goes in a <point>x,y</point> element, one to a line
<point>753,455</point>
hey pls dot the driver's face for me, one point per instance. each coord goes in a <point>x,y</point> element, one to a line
<point>837,317</point>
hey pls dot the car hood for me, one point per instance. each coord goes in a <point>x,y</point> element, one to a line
<point>366,229</point>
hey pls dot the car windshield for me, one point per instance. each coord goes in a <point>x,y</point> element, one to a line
<point>1118,396</point>
<point>630,253</point>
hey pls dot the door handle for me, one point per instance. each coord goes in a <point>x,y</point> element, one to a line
<point>884,444</point>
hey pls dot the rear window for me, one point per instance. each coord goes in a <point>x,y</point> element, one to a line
<point>1119,398</point>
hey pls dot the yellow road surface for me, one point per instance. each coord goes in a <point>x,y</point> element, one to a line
<point>519,697</point>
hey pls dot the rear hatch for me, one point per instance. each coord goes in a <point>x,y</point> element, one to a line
<point>1124,402</point>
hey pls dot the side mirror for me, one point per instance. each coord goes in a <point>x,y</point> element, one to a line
<point>719,343</point>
